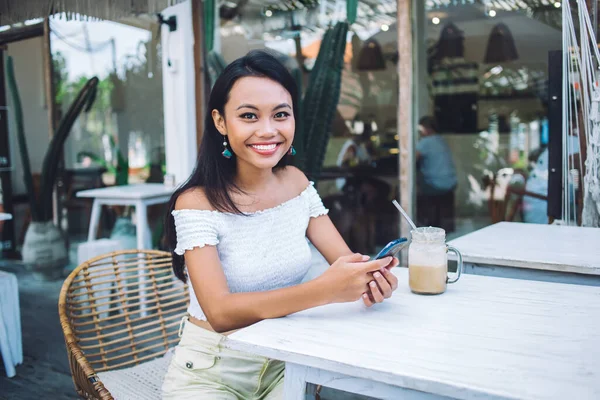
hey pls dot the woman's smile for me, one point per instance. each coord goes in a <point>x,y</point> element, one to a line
<point>265,149</point>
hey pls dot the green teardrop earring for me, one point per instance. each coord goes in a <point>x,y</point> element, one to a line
<point>292,151</point>
<point>226,153</point>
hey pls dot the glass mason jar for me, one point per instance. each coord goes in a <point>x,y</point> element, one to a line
<point>428,261</point>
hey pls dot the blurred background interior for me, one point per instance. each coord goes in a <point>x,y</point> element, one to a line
<point>481,72</point>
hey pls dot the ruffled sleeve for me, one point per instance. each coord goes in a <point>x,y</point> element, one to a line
<point>316,207</point>
<point>195,228</point>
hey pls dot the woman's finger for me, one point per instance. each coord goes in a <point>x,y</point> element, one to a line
<point>393,263</point>
<point>384,285</point>
<point>375,292</point>
<point>367,300</point>
<point>391,279</point>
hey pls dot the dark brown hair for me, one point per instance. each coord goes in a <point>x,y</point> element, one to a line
<point>429,123</point>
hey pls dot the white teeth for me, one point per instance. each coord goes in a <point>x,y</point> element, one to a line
<point>264,146</point>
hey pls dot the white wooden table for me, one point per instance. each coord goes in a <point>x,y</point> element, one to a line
<point>139,195</point>
<point>11,345</point>
<point>553,253</point>
<point>5,216</point>
<point>485,338</point>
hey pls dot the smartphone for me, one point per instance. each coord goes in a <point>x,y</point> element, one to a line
<point>392,248</point>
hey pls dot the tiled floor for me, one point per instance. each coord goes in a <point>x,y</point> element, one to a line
<point>44,373</point>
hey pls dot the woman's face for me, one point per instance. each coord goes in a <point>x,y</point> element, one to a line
<point>258,122</point>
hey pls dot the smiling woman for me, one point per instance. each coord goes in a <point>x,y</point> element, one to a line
<point>238,231</point>
<point>261,132</point>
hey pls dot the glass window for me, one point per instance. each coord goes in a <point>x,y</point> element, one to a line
<point>485,91</point>
<point>126,119</point>
<point>121,139</point>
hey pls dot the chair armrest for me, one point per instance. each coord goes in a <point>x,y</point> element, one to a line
<point>85,379</point>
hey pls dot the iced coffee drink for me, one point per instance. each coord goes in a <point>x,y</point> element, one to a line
<point>428,261</point>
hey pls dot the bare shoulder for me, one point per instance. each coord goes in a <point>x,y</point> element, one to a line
<point>294,178</point>
<point>193,199</point>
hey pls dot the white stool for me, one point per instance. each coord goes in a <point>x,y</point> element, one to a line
<point>11,345</point>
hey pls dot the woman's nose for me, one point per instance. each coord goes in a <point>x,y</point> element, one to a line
<point>267,129</point>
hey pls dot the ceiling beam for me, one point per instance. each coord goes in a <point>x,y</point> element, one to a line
<point>14,34</point>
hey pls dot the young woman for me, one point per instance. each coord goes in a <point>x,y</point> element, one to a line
<point>238,229</point>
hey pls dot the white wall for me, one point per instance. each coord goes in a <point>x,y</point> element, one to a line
<point>28,65</point>
<point>179,93</point>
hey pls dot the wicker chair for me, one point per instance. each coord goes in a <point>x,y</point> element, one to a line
<point>118,331</point>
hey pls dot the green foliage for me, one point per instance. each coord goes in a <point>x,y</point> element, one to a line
<point>321,99</point>
<point>60,77</point>
<point>351,10</point>
<point>120,170</point>
<point>209,24</point>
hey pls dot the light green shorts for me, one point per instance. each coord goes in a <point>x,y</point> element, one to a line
<point>202,368</point>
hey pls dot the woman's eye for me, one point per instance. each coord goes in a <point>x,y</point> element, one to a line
<point>282,114</point>
<point>248,116</point>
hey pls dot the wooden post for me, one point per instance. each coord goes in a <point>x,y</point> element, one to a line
<point>405,113</point>
<point>49,92</point>
<point>198,27</point>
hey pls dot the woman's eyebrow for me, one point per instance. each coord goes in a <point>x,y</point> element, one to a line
<point>282,105</point>
<point>247,106</point>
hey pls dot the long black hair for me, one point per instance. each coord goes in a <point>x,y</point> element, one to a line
<point>213,172</point>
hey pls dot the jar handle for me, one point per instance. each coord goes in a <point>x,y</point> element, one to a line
<point>459,264</point>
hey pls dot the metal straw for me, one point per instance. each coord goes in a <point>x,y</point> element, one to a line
<point>404,214</point>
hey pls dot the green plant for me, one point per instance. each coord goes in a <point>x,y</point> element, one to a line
<point>321,99</point>
<point>209,24</point>
<point>41,206</point>
<point>120,171</point>
<point>351,10</point>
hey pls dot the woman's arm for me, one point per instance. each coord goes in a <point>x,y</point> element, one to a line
<point>225,311</point>
<point>325,237</point>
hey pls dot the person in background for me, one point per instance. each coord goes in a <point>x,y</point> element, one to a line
<point>436,178</point>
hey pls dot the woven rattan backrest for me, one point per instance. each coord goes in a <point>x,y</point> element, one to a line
<point>117,321</point>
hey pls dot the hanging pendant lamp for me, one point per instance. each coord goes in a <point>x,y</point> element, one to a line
<point>501,46</point>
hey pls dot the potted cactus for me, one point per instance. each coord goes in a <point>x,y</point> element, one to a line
<point>44,249</point>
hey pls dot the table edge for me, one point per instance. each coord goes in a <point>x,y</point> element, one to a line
<point>418,383</point>
<point>529,265</point>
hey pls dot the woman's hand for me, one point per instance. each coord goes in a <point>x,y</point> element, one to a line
<point>384,283</point>
<point>349,276</point>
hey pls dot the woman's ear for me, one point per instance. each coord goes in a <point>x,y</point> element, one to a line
<point>219,122</point>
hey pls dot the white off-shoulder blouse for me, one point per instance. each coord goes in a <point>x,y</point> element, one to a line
<point>259,251</point>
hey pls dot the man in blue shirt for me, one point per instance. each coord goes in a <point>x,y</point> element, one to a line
<point>436,178</point>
